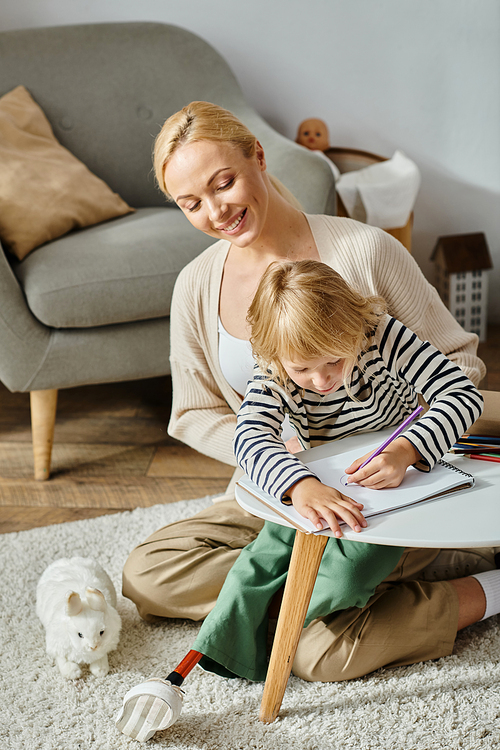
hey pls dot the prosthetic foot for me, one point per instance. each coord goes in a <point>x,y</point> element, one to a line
<point>155,704</point>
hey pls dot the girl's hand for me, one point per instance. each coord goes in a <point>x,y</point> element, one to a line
<point>293,446</point>
<point>387,469</point>
<point>318,503</point>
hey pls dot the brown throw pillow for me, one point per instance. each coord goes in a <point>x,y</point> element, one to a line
<point>45,191</point>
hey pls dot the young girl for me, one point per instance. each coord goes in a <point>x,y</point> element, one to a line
<point>336,364</point>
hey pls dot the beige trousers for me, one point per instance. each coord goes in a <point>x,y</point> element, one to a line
<point>179,570</point>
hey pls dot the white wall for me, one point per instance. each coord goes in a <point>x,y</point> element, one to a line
<point>419,75</point>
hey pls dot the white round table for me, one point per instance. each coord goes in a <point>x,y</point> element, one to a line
<point>470,518</point>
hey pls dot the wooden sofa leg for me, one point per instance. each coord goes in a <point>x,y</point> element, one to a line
<point>43,418</point>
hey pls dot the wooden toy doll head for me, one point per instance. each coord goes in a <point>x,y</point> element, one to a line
<point>313,134</point>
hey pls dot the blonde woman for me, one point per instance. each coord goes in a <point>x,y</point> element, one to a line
<point>215,170</point>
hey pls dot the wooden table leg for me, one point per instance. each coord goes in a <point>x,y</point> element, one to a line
<point>304,565</point>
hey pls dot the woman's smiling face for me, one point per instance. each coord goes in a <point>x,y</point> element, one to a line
<point>221,191</point>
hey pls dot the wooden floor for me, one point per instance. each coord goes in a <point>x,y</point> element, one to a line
<point>112,452</point>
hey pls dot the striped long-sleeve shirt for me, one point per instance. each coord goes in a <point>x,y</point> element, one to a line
<point>386,381</point>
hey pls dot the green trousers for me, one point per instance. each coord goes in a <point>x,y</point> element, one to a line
<point>233,637</point>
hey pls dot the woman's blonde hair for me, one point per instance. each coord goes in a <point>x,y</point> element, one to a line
<point>203,121</point>
<point>305,310</point>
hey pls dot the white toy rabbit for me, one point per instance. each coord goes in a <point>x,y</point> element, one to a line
<point>76,600</point>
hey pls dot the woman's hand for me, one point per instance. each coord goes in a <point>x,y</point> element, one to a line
<point>387,469</point>
<point>318,503</point>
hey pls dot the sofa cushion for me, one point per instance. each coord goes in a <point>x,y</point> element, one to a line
<point>45,191</point>
<point>120,271</point>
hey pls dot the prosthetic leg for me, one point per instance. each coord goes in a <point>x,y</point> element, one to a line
<point>155,704</point>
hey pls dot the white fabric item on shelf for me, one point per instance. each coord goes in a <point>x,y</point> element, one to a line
<point>382,194</point>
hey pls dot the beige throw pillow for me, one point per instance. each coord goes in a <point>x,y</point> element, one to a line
<point>45,191</point>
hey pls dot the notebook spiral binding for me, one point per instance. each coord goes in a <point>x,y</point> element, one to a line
<point>459,471</point>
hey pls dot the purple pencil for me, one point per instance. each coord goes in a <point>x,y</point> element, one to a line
<point>394,435</point>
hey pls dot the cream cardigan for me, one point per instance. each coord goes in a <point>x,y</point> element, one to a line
<point>204,405</point>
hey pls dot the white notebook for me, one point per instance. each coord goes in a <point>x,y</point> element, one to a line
<point>416,487</point>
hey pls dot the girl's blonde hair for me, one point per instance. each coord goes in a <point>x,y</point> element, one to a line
<point>305,310</point>
<point>203,121</point>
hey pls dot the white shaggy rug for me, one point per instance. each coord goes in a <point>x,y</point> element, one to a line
<point>450,703</point>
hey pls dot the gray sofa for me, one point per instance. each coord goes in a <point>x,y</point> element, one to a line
<point>93,306</point>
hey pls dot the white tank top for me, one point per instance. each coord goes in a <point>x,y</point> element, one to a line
<point>237,363</point>
<point>235,359</point>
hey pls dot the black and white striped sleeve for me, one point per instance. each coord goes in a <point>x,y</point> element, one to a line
<point>455,403</point>
<point>258,446</point>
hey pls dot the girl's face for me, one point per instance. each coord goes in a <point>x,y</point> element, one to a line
<point>322,375</point>
<point>221,191</point>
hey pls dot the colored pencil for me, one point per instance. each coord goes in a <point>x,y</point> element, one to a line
<point>476,448</point>
<point>471,451</point>
<point>480,439</point>
<point>461,445</point>
<point>478,457</point>
<point>394,435</point>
